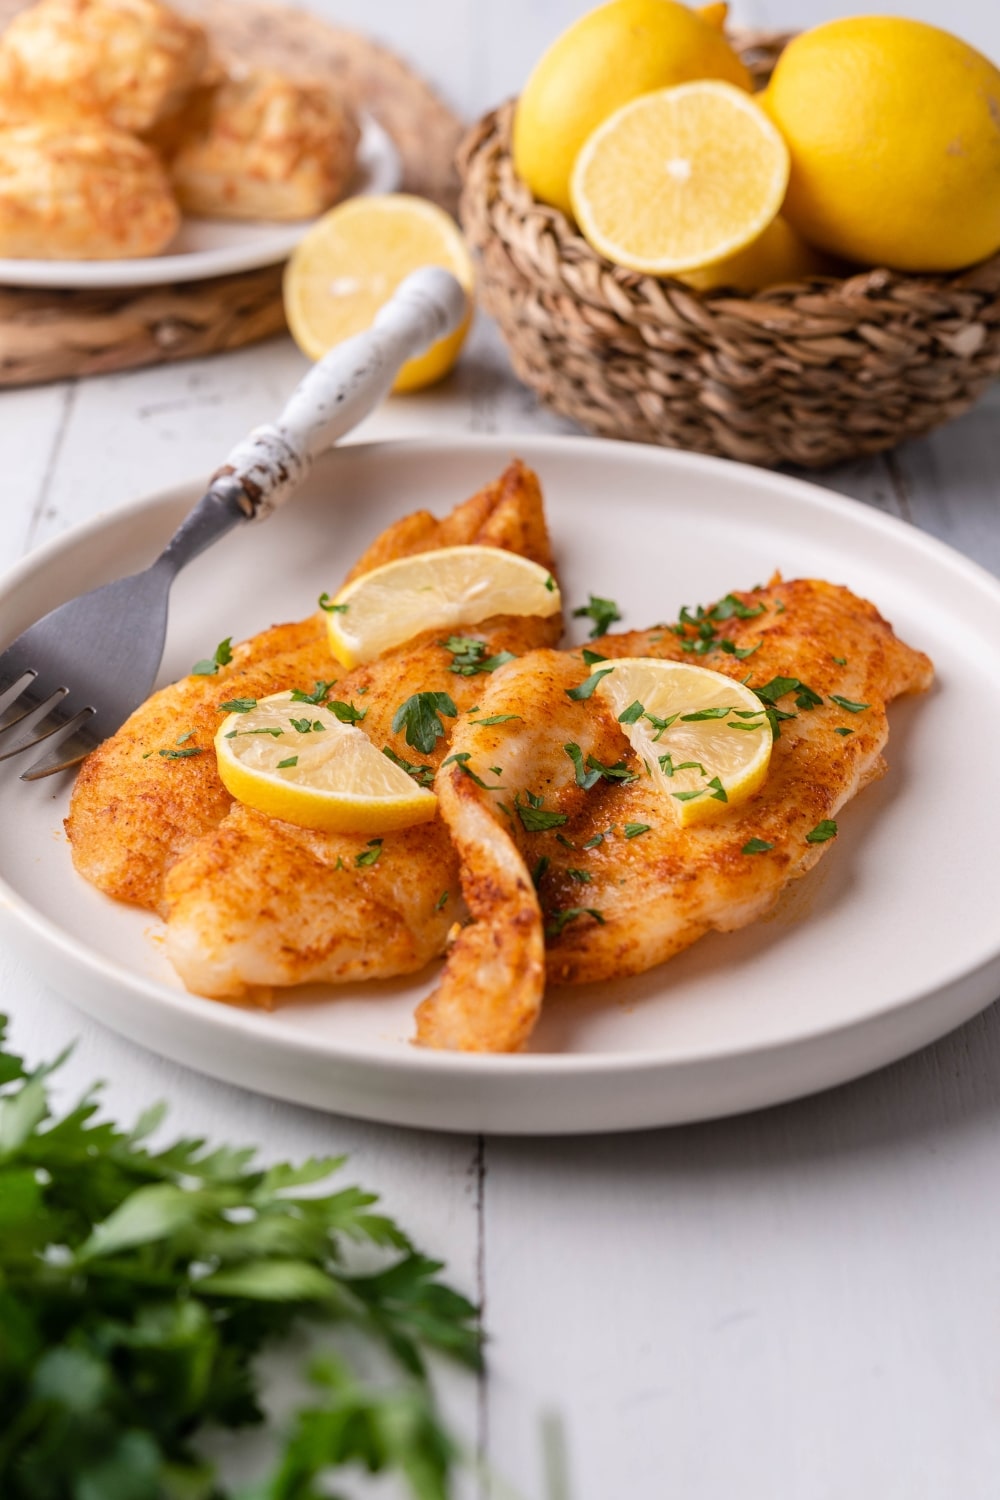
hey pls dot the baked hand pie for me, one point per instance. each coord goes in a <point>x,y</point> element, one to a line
<point>132,62</point>
<point>84,191</point>
<point>266,147</point>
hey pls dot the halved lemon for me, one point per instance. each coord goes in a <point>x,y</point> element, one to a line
<point>440,590</point>
<point>351,262</point>
<point>705,738</point>
<point>298,761</point>
<point>680,178</point>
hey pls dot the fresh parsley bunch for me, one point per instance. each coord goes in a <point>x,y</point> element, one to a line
<point>139,1286</point>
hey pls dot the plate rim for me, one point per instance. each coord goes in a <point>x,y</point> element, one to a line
<point>224,1019</point>
<point>383,175</point>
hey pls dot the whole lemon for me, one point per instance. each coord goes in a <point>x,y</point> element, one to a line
<point>608,57</point>
<point>894,132</point>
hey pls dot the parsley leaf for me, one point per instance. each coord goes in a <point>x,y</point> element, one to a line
<point>584,778</point>
<point>223,656</point>
<point>284,765</point>
<point>843,730</point>
<point>582,877</point>
<point>495,719</point>
<point>591,658</point>
<point>469,656</point>
<point>534,818</point>
<point>461,759</point>
<point>318,694</point>
<point>636,830</point>
<point>422,775</point>
<point>420,717</point>
<point>632,714</point>
<point>560,919</point>
<point>603,612</point>
<point>182,754</point>
<point>326,603</point>
<point>586,688</point>
<point>441,901</point>
<point>756,846</point>
<point>345,712</point>
<point>238,706</point>
<point>852,708</point>
<point>370,854</point>
<point>827,829</point>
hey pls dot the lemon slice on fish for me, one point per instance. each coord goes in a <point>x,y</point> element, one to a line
<point>299,762</point>
<point>441,590</point>
<point>704,738</point>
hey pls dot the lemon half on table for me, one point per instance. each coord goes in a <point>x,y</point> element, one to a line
<point>705,738</point>
<point>353,259</point>
<point>298,762</point>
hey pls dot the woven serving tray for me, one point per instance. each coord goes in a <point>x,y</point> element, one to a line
<point>807,373</point>
<point>48,335</point>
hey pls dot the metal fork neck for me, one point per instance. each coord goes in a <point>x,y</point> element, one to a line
<point>223,507</point>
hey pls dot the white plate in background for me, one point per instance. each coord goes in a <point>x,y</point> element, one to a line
<point>890,942</point>
<point>204,248</point>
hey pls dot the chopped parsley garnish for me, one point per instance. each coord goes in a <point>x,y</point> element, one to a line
<point>550,584</point>
<point>591,658</point>
<point>182,739</point>
<point>582,877</point>
<point>668,768</point>
<point>636,830</point>
<point>238,706</point>
<point>370,855</point>
<point>534,818</point>
<point>852,708</point>
<point>586,688</point>
<point>469,656</point>
<point>584,778</point>
<point>632,714</point>
<point>286,765</point>
<point>539,870</point>
<point>843,730</point>
<point>327,604</point>
<point>495,718</point>
<point>422,775</point>
<point>841,661</point>
<point>305,726</point>
<point>756,846</point>
<point>659,724</point>
<point>461,759</point>
<point>827,829</point>
<point>235,734</point>
<point>597,839</point>
<point>689,796</point>
<point>706,713</point>
<point>603,612</point>
<point>718,790</point>
<point>345,712</point>
<point>441,901</point>
<point>731,649</point>
<point>318,694</point>
<point>223,656</point>
<point>420,716</point>
<point>182,754</point>
<point>560,919</point>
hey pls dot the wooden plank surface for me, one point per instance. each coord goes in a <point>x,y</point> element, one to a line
<point>799,1304</point>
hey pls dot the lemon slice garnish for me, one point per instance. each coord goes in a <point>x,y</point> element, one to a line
<point>441,590</point>
<point>298,761</point>
<point>351,262</point>
<point>680,178</point>
<point>704,738</point>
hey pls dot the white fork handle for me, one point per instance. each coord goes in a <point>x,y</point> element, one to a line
<point>338,392</point>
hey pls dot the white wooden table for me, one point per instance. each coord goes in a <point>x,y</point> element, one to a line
<point>798,1305</point>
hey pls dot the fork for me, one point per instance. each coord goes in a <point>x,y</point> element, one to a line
<point>72,678</point>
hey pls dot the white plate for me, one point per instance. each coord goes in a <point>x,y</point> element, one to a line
<point>893,940</point>
<point>205,248</point>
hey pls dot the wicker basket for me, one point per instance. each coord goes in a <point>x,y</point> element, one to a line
<point>808,373</point>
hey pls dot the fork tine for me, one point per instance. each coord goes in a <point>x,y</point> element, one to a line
<point>41,720</point>
<point>71,746</point>
<point>17,697</point>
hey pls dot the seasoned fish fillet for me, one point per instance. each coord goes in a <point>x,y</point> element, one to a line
<point>608,904</point>
<point>130,62</point>
<point>81,192</point>
<point>253,902</point>
<point>263,146</point>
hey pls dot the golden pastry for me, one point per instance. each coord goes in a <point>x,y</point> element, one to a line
<point>86,192</point>
<point>132,61</point>
<point>271,148</point>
